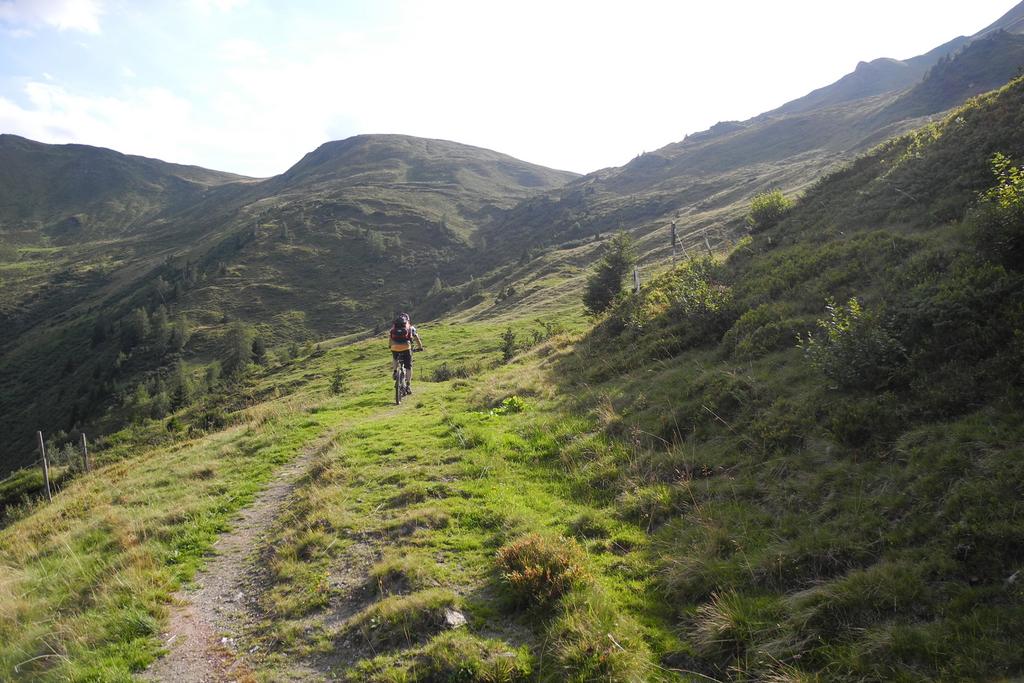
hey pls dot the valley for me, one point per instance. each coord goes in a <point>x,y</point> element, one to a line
<point>794,453</point>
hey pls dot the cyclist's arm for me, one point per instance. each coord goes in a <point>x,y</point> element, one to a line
<point>419,342</point>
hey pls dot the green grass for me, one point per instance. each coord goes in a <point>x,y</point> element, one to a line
<point>87,579</point>
<point>677,491</point>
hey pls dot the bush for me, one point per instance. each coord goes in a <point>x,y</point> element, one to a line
<point>605,283</point>
<point>539,570</point>
<point>508,345</point>
<point>692,303</point>
<point>767,209</point>
<point>209,420</point>
<point>855,350</point>
<point>445,372</point>
<point>338,381</point>
<point>760,331</point>
<point>998,221</point>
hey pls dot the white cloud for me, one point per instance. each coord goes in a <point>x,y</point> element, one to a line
<point>64,15</point>
<point>148,121</point>
<point>207,6</point>
<point>242,50</point>
<point>127,72</point>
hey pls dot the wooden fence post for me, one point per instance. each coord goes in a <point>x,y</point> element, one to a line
<point>85,453</point>
<point>706,243</point>
<point>46,466</point>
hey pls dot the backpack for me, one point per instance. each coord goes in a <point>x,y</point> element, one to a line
<point>401,332</point>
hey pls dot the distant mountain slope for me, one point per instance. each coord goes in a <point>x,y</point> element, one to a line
<point>705,181</point>
<point>361,227</point>
<point>984,64</point>
<point>355,230</point>
<point>1012,21</point>
<point>872,78</point>
<point>374,159</point>
<point>78,192</point>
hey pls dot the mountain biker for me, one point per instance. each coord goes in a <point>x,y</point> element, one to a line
<point>401,338</point>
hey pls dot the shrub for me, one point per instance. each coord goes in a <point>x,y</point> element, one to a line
<point>703,300</point>
<point>445,372</point>
<point>605,283</point>
<point>998,221</point>
<point>691,303</point>
<point>540,570</point>
<point>855,349</point>
<point>209,420</point>
<point>767,209</point>
<point>760,331</point>
<point>338,381</point>
<point>508,345</point>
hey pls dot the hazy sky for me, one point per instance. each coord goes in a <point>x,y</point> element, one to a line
<point>250,86</point>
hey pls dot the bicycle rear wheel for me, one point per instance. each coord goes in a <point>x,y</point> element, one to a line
<point>399,384</point>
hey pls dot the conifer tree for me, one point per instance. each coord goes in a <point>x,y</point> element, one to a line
<point>605,282</point>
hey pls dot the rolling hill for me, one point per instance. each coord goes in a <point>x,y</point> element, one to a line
<point>354,229</point>
<point>362,226</point>
<point>795,458</point>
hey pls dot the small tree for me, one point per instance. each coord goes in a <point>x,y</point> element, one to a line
<point>508,345</point>
<point>237,351</point>
<point>179,334</point>
<point>854,348</point>
<point>139,403</point>
<point>767,209</point>
<point>135,329</point>
<point>181,387</point>
<point>338,381</point>
<point>605,282</point>
<point>259,350</point>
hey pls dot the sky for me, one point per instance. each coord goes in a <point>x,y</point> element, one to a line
<point>250,86</point>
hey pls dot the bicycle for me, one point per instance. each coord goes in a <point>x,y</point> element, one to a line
<point>402,381</point>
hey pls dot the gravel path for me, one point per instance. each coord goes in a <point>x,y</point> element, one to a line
<point>209,615</point>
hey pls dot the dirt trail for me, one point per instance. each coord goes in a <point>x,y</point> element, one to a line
<point>210,615</point>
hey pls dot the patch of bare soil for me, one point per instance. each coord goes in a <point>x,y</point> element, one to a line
<point>204,636</point>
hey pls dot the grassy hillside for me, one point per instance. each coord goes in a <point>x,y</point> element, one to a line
<point>354,230</point>
<point>843,507</point>
<point>798,461</point>
<point>74,193</point>
<point>360,227</point>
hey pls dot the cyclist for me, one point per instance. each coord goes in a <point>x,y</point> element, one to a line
<point>401,337</point>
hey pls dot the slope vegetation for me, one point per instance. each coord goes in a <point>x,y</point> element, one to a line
<point>155,251</point>
<point>844,506</point>
<point>801,461</point>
